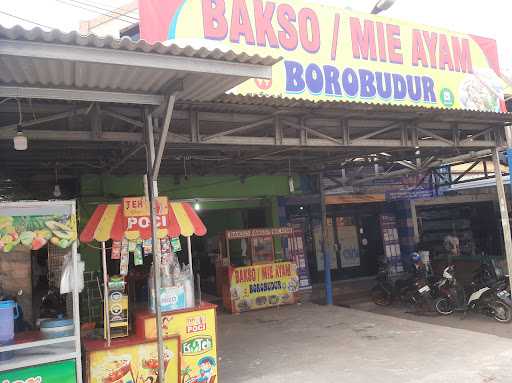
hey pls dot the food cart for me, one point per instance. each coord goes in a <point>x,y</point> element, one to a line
<point>39,342</point>
<point>249,274</point>
<point>189,329</point>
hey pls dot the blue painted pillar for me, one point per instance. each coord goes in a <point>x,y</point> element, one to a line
<point>327,256</point>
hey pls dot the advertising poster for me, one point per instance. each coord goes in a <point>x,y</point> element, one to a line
<point>35,231</point>
<point>135,364</point>
<point>349,246</point>
<point>329,245</point>
<point>198,342</point>
<point>261,286</point>
<point>299,255</point>
<point>391,241</point>
<point>61,372</point>
<point>331,53</point>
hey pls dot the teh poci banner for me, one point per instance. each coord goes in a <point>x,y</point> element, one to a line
<point>331,53</point>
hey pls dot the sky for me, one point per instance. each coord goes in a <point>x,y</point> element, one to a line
<point>489,18</point>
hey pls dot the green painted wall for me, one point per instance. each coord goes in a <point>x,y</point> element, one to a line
<point>195,187</point>
<point>263,189</point>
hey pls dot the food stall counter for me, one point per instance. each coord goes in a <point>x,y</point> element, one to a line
<point>258,280</point>
<point>190,345</point>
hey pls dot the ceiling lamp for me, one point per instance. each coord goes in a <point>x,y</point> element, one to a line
<point>20,141</point>
<point>56,190</point>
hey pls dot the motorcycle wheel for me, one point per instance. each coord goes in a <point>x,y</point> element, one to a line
<point>501,312</point>
<point>381,297</point>
<point>444,306</point>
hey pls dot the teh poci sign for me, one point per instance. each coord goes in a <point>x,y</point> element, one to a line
<point>137,217</point>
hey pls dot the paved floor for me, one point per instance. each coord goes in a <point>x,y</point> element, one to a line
<point>312,343</point>
<point>472,321</point>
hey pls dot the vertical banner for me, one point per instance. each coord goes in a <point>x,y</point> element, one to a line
<point>331,53</point>
<point>299,255</point>
<point>391,241</point>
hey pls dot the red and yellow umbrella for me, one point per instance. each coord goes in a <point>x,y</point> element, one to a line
<point>107,222</point>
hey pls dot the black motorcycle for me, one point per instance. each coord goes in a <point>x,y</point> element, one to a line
<point>413,291</point>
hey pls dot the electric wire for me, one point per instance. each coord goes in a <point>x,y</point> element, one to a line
<point>93,11</point>
<point>90,4</point>
<point>26,20</point>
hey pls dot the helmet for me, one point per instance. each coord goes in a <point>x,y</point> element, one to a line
<point>415,257</point>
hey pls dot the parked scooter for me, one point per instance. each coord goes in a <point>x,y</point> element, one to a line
<point>491,274</point>
<point>484,299</point>
<point>413,290</point>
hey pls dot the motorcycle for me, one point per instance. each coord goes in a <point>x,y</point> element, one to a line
<point>485,299</point>
<point>414,291</point>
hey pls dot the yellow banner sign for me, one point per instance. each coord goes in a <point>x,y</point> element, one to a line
<point>252,233</point>
<point>197,331</point>
<point>331,53</point>
<point>139,206</point>
<point>261,286</point>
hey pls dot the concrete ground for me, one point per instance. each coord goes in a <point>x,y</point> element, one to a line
<point>313,343</point>
<point>472,321</point>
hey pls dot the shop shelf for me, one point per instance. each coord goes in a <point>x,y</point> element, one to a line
<point>40,355</point>
<point>38,343</point>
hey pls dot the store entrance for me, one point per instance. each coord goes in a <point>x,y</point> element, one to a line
<point>354,241</point>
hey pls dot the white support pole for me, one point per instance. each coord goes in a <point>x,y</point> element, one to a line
<point>504,211</point>
<point>189,248</point>
<point>157,262</point>
<point>105,292</point>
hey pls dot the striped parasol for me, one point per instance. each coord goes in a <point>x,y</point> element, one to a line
<point>107,222</point>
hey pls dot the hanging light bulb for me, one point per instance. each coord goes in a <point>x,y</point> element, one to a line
<point>291,185</point>
<point>56,190</point>
<point>20,141</point>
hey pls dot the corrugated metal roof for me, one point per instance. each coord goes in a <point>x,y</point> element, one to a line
<point>127,44</point>
<point>39,59</point>
<point>259,101</point>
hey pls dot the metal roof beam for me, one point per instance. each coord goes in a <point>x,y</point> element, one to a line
<point>121,117</point>
<point>163,137</point>
<point>41,50</point>
<point>313,132</point>
<point>243,128</point>
<point>81,95</point>
<point>42,120</point>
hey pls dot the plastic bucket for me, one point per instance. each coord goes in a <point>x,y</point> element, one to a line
<point>8,313</point>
